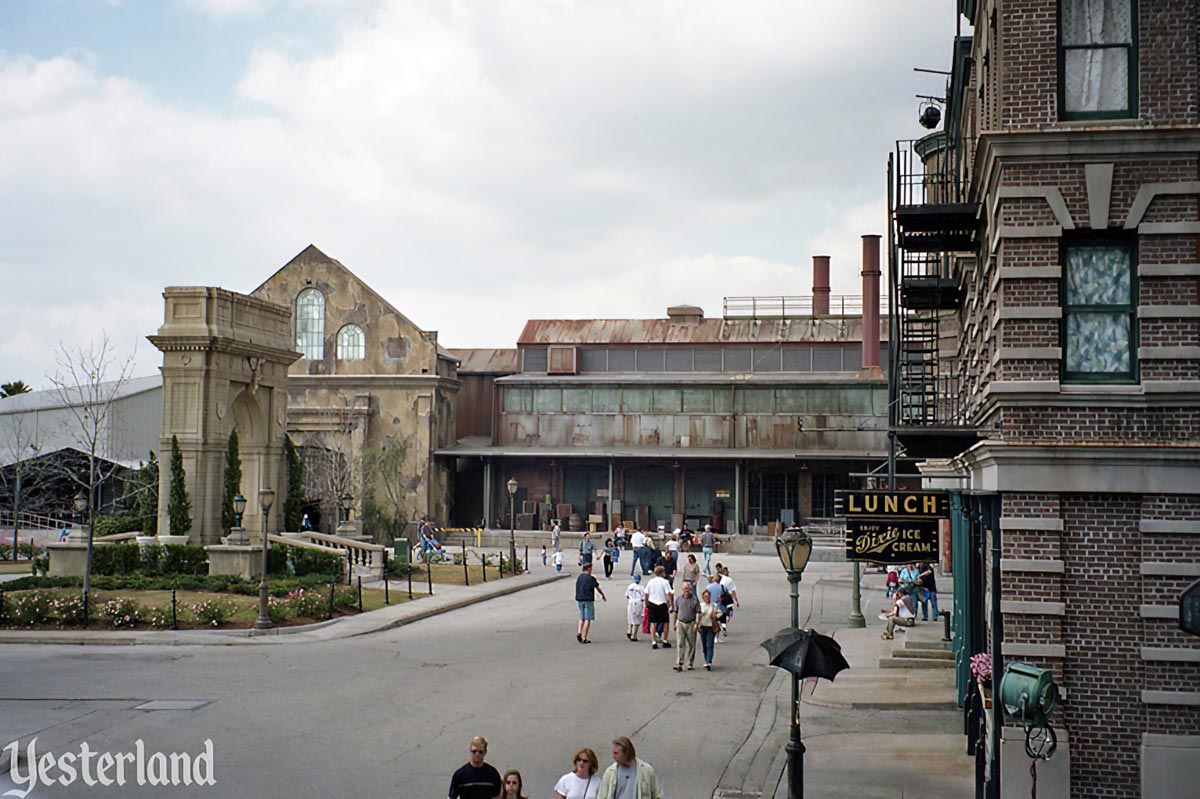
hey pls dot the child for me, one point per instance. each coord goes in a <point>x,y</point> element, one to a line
<point>558,559</point>
<point>636,607</point>
<point>893,581</point>
<point>543,554</point>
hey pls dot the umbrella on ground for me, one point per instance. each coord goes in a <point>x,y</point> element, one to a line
<point>805,653</point>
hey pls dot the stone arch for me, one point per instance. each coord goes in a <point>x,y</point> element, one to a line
<point>252,423</point>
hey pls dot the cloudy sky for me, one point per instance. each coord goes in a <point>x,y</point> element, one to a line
<point>478,163</point>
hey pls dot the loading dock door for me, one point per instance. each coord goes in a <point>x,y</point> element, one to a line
<point>653,486</point>
<point>700,487</point>
<point>581,485</point>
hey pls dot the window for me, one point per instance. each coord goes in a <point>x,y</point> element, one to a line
<point>1097,59</point>
<point>1099,296</point>
<point>350,346</point>
<point>310,324</point>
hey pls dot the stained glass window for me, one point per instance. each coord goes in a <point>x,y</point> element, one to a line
<point>350,343</point>
<point>1099,313</point>
<point>310,324</point>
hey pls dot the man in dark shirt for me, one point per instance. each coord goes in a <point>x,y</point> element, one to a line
<point>927,588</point>
<point>586,587</point>
<point>686,608</point>
<point>476,779</point>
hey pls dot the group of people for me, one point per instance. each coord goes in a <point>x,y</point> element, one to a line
<point>910,587</point>
<point>702,608</point>
<point>629,777</point>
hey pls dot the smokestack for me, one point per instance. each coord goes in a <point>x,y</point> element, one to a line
<point>870,315</point>
<point>820,285</point>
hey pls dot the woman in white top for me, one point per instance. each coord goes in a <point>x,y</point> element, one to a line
<point>708,621</point>
<point>635,596</point>
<point>581,782</point>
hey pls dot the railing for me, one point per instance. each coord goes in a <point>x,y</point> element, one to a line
<point>33,521</point>
<point>933,170</point>
<point>793,307</point>
<point>359,555</point>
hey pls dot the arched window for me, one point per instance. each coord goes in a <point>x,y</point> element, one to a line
<point>310,324</point>
<point>350,343</point>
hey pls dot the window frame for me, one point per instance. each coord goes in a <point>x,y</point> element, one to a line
<point>361,343</point>
<point>1131,111</point>
<point>1129,309</point>
<point>319,322</point>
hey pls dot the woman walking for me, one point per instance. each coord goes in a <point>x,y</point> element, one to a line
<point>609,551</point>
<point>708,622</point>
<point>581,781</point>
<point>514,785</point>
<point>691,572</point>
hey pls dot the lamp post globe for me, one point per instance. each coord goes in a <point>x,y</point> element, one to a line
<point>266,498</point>
<point>345,502</point>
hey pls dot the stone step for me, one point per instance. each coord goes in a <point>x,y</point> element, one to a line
<point>937,654</point>
<point>915,663</point>
<point>928,646</point>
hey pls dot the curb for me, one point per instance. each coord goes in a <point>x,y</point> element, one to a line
<point>281,634</point>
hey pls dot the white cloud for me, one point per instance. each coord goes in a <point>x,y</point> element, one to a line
<point>477,163</point>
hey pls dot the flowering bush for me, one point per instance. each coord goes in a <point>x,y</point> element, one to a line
<point>345,597</point>
<point>308,603</point>
<point>277,609</point>
<point>120,613</point>
<point>981,666</point>
<point>213,612</point>
<point>68,609</point>
<point>158,618</point>
<point>32,608</point>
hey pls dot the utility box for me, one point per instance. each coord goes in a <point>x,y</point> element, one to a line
<point>401,549</point>
<point>1029,693</point>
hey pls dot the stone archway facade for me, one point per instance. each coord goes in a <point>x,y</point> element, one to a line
<point>225,362</point>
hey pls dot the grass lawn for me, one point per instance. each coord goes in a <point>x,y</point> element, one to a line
<point>447,574</point>
<point>8,567</point>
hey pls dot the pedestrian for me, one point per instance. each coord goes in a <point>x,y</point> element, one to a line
<point>708,624</point>
<point>476,779</point>
<point>586,587</point>
<point>556,538</point>
<point>637,540</point>
<point>609,549</point>
<point>908,578</point>
<point>685,538</point>
<point>708,543</point>
<point>892,582</point>
<point>691,572</point>
<point>558,560</point>
<point>670,562</point>
<point>901,613</point>
<point>543,554</point>
<point>619,537</point>
<point>628,777</point>
<point>673,541</point>
<point>658,602</point>
<point>649,556</point>
<point>687,607</point>
<point>586,548</point>
<point>581,781</point>
<point>927,586</point>
<point>635,605</point>
<point>716,591</point>
<point>514,785</point>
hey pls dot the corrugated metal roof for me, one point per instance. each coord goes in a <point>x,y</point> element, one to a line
<point>53,398</point>
<point>539,332</point>
<point>486,361</point>
<point>464,449</point>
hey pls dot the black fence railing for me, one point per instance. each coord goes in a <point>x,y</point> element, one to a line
<point>934,170</point>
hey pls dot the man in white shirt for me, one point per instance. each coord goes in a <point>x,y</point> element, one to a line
<point>729,589</point>
<point>637,541</point>
<point>659,599</point>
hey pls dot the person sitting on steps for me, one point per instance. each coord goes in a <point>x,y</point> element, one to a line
<point>901,614</point>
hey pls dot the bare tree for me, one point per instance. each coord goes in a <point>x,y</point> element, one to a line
<point>88,381</point>
<point>332,456</point>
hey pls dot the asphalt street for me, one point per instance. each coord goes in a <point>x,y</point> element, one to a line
<point>390,714</point>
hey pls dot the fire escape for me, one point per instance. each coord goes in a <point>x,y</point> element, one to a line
<point>932,221</point>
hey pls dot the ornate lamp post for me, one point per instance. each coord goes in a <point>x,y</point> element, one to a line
<point>266,498</point>
<point>512,522</point>
<point>345,502</point>
<point>238,534</point>
<point>794,548</point>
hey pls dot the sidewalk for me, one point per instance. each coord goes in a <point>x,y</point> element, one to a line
<point>444,599</point>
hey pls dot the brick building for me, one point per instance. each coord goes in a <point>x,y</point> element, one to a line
<point>1046,359</point>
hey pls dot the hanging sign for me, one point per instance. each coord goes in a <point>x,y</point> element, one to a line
<point>891,526</point>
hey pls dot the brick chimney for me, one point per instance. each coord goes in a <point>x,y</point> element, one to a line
<point>870,314</point>
<point>820,302</point>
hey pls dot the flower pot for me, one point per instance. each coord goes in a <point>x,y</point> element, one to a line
<point>145,540</point>
<point>166,540</point>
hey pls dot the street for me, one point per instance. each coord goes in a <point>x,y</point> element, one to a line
<point>390,714</point>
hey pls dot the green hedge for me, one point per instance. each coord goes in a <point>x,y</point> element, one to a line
<point>277,586</point>
<point>300,561</point>
<point>149,560</point>
<point>113,523</point>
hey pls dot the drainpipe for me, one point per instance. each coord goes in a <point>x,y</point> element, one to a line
<point>870,313</point>
<point>820,301</point>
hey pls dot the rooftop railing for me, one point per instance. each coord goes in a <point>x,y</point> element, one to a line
<point>794,307</point>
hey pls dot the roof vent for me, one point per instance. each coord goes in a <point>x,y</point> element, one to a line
<point>685,313</point>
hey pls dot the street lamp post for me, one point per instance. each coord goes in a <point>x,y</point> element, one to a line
<point>266,498</point>
<point>81,505</point>
<point>238,534</point>
<point>794,548</point>
<point>512,523</point>
<point>856,618</point>
<point>345,502</point>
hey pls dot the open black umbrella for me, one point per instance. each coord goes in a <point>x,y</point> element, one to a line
<point>805,653</point>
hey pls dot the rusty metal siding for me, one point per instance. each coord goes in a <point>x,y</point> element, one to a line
<point>543,332</point>
<point>474,406</point>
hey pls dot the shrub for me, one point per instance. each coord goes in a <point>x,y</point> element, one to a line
<point>26,549</point>
<point>277,560</point>
<point>150,559</point>
<point>113,523</point>
<point>32,608</point>
<point>307,602</point>
<point>116,559</point>
<point>120,613</point>
<point>158,618</point>
<point>184,559</point>
<point>311,561</point>
<point>212,612</point>
<point>277,609</point>
<point>69,609</point>
<point>345,597</point>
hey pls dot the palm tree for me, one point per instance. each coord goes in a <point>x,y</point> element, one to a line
<point>14,388</point>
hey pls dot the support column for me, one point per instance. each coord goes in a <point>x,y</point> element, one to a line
<point>609,505</point>
<point>487,493</point>
<point>737,497</point>
<point>806,495</point>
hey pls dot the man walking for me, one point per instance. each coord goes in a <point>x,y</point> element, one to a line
<point>629,777</point>
<point>637,541</point>
<point>708,543</point>
<point>687,606</point>
<point>729,597</point>
<point>477,779</point>
<point>586,587</point>
<point>586,549</point>
<point>658,602</point>
<point>927,586</point>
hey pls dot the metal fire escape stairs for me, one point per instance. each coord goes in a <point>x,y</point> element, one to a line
<point>931,220</point>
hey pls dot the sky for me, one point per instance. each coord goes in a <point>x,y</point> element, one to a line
<point>477,163</point>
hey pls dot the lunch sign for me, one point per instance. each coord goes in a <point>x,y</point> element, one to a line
<point>891,526</point>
